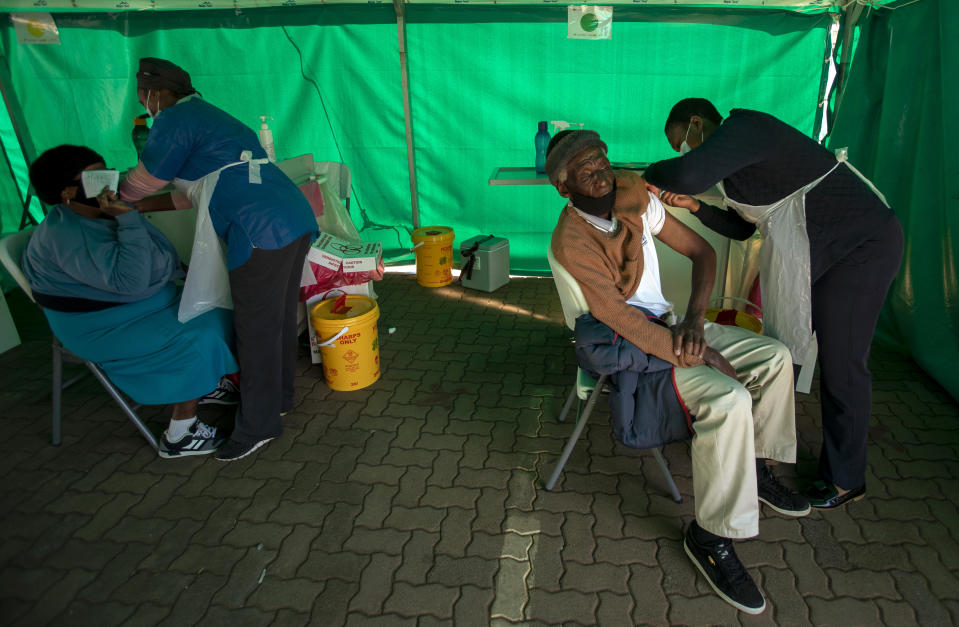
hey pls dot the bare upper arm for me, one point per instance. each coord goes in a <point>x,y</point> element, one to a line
<point>683,239</point>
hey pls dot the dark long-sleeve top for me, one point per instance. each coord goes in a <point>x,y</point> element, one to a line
<point>761,160</point>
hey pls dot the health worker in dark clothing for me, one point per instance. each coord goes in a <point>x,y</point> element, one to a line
<point>831,248</point>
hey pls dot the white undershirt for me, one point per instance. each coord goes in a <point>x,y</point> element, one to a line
<point>649,293</point>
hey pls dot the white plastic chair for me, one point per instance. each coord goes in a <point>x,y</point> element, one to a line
<point>338,174</point>
<point>301,168</point>
<point>585,388</point>
<point>11,251</point>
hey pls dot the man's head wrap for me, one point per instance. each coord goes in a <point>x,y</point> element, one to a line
<point>56,168</point>
<point>161,74</point>
<point>564,146</point>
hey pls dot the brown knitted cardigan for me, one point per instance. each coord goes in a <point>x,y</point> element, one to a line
<point>608,268</point>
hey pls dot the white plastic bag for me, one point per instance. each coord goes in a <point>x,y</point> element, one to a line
<point>335,219</point>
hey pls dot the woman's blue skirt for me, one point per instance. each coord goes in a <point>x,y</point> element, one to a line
<point>149,354</point>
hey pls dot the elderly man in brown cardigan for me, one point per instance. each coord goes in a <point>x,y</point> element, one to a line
<point>737,385</point>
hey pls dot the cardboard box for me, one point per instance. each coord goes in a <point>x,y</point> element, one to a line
<point>335,254</point>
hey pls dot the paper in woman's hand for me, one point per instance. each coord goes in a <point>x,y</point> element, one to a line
<point>95,180</point>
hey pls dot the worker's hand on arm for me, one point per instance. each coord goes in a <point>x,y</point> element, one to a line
<point>110,204</point>
<point>689,337</point>
<point>674,200</point>
<point>713,358</point>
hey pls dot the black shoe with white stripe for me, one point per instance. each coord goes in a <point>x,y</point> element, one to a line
<point>716,559</point>
<point>226,393</point>
<point>201,439</point>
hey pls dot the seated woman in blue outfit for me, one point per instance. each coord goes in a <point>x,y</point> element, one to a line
<point>105,279</point>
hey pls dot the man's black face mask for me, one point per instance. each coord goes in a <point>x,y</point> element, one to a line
<point>595,206</point>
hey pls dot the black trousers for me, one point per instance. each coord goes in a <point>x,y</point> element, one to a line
<point>265,291</point>
<point>846,301</point>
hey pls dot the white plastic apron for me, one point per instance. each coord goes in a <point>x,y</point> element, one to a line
<point>208,282</point>
<point>784,269</point>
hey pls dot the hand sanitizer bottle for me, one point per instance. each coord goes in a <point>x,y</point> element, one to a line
<point>266,138</point>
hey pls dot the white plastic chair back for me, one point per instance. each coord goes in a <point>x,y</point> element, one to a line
<point>585,387</point>
<point>570,296</point>
<point>11,252</point>
<point>338,174</point>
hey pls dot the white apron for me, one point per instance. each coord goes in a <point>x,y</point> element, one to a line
<point>208,281</point>
<point>784,269</point>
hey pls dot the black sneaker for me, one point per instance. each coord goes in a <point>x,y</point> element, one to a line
<point>717,561</point>
<point>233,450</point>
<point>778,496</point>
<point>226,393</point>
<point>201,439</point>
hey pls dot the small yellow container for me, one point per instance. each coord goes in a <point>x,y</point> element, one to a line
<point>433,246</point>
<point>733,317</point>
<point>348,339</point>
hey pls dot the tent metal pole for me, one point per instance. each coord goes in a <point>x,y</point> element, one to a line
<point>400,8</point>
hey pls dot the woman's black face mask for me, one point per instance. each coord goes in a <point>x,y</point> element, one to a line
<point>595,206</point>
<point>80,198</point>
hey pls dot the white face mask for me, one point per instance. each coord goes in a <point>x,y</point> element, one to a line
<point>157,112</point>
<point>684,147</point>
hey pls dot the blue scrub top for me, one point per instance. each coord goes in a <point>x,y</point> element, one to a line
<point>192,139</point>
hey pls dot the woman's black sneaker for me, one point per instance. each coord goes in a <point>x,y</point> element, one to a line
<point>717,561</point>
<point>233,450</point>
<point>226,393</point>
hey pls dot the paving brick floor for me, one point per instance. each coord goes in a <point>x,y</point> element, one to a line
<point>419,500</point>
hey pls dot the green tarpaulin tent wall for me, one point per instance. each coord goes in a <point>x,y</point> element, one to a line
<point>479,76</point>
<point>896,120</point>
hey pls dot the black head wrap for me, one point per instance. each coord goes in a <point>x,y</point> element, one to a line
<point>162,74</point>
<point>56,169</point>
<point>567,145</point>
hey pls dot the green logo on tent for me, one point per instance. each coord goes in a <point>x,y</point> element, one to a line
<point>589,22</point>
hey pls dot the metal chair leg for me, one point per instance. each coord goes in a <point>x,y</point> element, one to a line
<point>57,392</point>
<point>667,475</point>
<point>577,431</point>
<point>569,403</point>
<point>102,378</point>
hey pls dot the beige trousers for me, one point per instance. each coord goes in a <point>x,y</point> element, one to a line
<point>736,422</point>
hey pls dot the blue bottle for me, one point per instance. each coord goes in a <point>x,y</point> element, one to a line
<point>542,141</point>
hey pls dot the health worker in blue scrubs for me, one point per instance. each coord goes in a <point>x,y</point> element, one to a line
<point>218,166</point>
